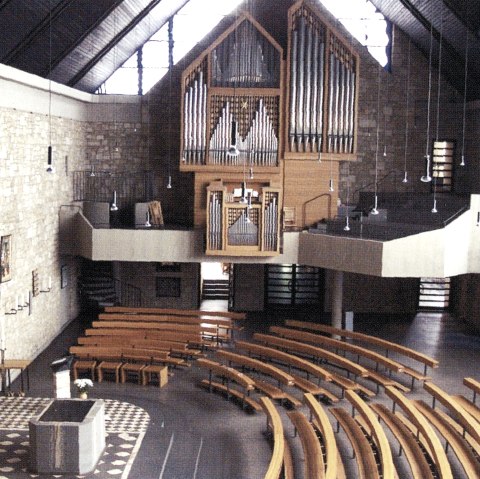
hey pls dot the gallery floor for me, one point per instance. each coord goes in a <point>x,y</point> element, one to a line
<point>183,432</point>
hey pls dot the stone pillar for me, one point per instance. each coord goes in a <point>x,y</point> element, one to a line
<point>337,299</point>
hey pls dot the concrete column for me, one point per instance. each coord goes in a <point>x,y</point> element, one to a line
<point>337,299</point>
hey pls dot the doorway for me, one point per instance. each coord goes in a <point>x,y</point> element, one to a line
<point>215,281</point>
<point>434,294</point>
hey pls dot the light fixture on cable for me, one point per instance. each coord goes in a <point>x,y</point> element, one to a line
<point>405,176</point>
<point>426,178</point>
<point>113,206</point>
<point>233,151</point>
<point>462,162</point>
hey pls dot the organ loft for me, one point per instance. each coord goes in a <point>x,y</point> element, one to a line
<point>252,114</point>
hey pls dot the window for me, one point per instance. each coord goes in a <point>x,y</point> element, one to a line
<point>198,17</point>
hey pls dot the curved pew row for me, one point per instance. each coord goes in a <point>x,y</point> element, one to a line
<point>424,428</point>
<point>337,345</point>
<point>319,354</point>
<point>363,453</point>
<point>454,439</point>
<point>474,385</point>
<point>282,377</point>
<point>375,431</point>
<point>468,423</point>
<point>320,420</point>
<point>314,465</point>
<point>419,465</point>
<point>275,427</point>
<point>292,361</point>
<point>388,346</point>
<point>228,374</point>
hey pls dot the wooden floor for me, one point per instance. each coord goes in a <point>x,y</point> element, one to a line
<point>200,435</point>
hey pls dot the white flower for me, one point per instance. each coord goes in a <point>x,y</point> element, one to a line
<point>83,384</point>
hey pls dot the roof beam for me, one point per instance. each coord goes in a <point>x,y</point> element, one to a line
<point>13,54</point>
<point>73,81</point>
<point>4,3</point>
<point>434,32</point>
<point>464,21</point>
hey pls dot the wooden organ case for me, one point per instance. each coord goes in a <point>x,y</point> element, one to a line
<point>250,125</point>
<point>232,132</point>
<point>322,79</point>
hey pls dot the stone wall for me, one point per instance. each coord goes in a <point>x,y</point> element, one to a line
<point>30,204</point>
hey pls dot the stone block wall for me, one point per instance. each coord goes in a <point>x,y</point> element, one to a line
<point>30,202</point>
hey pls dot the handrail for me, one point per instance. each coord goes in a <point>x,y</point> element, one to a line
<point>304,206</point>
<point>456,215</point>
<point>128,294</point>
<point>363,188</point>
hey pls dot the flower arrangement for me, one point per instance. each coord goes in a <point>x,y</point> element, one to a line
<point>83,385</point>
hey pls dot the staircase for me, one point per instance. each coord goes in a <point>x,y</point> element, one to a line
<point>215,289</point>
<point>97,286</point>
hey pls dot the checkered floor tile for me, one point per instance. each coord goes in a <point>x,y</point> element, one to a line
<point>120,416</point>
<point>125,425</point>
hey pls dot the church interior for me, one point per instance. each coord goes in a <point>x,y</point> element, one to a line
<point>262,263</point>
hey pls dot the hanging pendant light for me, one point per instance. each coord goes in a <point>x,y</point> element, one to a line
<point>50,168</point>
<point>374,211</point>
<point>347,219</point>
<point>462,162</point>
<point>439,85</point>
<point>233,150</point>
<point>169,130</point>
<point>113,206</point>
<point>426,178</point>
<point>405,177</point>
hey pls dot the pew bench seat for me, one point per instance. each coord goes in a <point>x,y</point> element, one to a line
<point>245,401</point>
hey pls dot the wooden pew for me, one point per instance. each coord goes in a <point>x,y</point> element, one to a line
<point>179,312</point>
<point>125,354</point>
<point>387,469</point>
<point>469,406</point>
<point>174,348</point>
<point>284,358</point>
<point>314,466</point>
<point>300,363</point>
<point>366,464</point>
<point>427,361</point>
<point>313,351</point>
<point>221,329</point>
<point>275,427</point>
<point>408,443</point>
<point>279,374</point>
<point>461,448</point>
<point>321,421</point>
<point>333,358</point>
<point>320,340</point>
<point>145,325</point>
<point>461,415</point>
<point>229,374</point>
<point>423,427</point>
<point>474,385</point>
<point>190,339</point>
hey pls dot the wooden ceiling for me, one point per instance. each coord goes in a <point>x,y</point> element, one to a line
<point>80,43</point>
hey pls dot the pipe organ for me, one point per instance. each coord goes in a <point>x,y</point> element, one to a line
<point>247,112</point>
<point>322,93</point>
<point>243,221</point>
<point>231,97</point>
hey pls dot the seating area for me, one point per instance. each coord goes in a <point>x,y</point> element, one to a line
<point>315,390</point>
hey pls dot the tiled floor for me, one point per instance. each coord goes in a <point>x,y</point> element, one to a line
<point>197,435</point>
